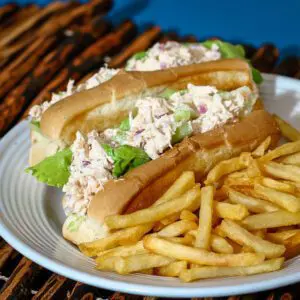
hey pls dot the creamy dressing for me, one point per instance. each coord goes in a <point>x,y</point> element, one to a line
<point>172,54</point>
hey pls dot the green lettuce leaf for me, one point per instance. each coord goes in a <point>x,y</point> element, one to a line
<point>125,158</point>
<point>53,170</point>
<point>233,51</point>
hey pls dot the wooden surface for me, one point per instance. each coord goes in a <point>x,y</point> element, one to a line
<point>37,57</point>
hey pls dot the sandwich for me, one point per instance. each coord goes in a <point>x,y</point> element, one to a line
<point>116,147</point>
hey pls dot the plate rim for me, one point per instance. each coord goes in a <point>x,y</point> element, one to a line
<point>136,288</point>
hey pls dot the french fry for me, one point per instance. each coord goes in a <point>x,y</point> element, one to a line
<point>128,235</point>
<point>188,215</point>
<point>284,200</point>
<point>253,204</point>
<point>254,169</point>
<point>247,249</point>
<point>127,250</point>
<point>218,230</point>
<point>173,269</point>
<point>133,263</point>
<point>182,184</point>
<point>293,159</point>
<point>213,272</point>
<point>244,237</point>
<point>220,244</point>
<point>261,149</point>
<point>278,185</point>
<point>231,211</point>
<point>271,220</point>
<point>282,150</point>
<point>228,166</point>
<point>239,181</point>
<point>200,256</point>
<point>287,130</point>
<point>171,219</point>
<point>292,246</point>
<point>178,228</point>
<point>186,240</point>
<point>205,218</point>
<point>288,172</point>
<point>282,236</point>
<point>238,174</point>
<point>155,213</point>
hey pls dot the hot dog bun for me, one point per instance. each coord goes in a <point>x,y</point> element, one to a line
<point>142,186</point>
<point>109,103</point>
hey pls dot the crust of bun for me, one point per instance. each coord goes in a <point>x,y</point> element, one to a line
<point>140,187</point>
<point>109,103</point>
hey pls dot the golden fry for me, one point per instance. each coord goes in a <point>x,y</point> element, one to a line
<point>121,237</point>
<point>282,150</point>
<point>186,240</point>
<point>261,149</point>
<point>188,215</point>
<point>200,256</point>
<point>287,130</point>
<point>178,228</point>
<point>231,211</point>
<point>213,272</point>
<point>244,237</point>
<point>155,213</point>
<point>284,200</point>
<point>228,166</point>
<point>182,184</point>
<point>278,185</point>
<point>293,159</point>
<point>271,220</point>
<point>133,263</point>
<point>282,236</point>
<point>253,204</point>
<point>288,172</point>
<point>127,250</point>
<point>205,218</point>
<point>254,169</point>
<point>220,244</point>
<point>173,269</point>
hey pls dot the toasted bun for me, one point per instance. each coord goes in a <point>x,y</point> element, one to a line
<point>109,103</point>
<point>142,186</point>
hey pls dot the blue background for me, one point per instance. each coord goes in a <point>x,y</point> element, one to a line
<point>253,22</point>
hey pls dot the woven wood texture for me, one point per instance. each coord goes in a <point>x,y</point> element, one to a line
<point>40,49</point>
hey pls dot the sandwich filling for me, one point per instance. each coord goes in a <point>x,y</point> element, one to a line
<point>172,54</point>
<point>158,123</point>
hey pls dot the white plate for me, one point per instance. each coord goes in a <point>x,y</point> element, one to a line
<point>31,219</point>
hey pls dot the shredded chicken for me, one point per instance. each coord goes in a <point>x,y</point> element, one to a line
<point>90,169</point>
<point>173,54</point>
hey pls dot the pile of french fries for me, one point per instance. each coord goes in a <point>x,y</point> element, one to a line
<point>243,220</point>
